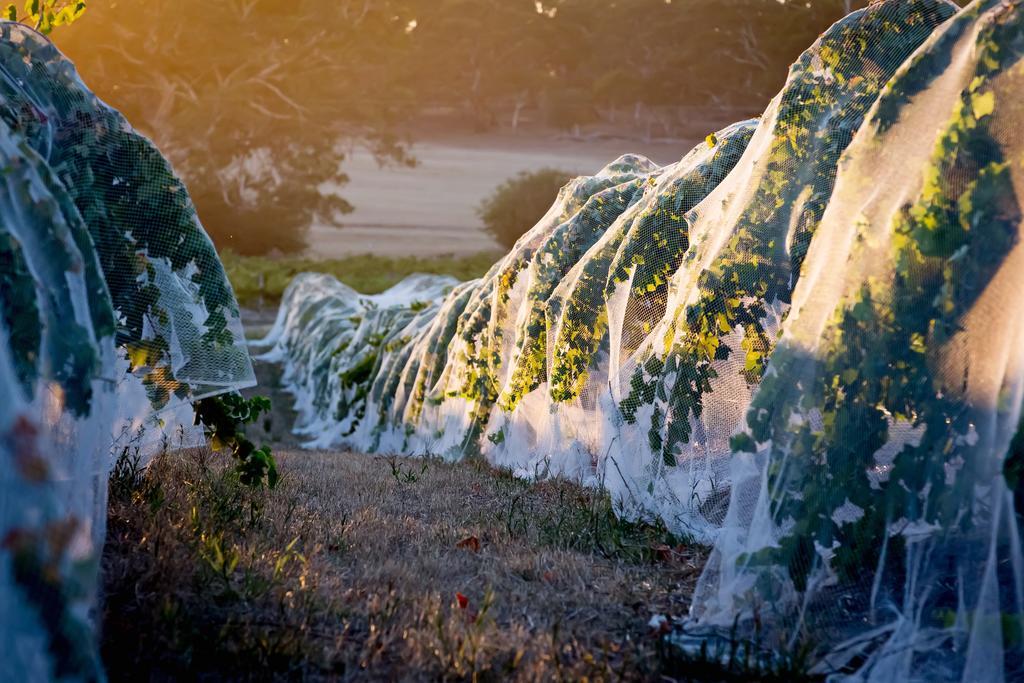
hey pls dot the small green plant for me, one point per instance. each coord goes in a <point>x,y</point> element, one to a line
<point>128,473</point>
<point>221,557</point>
<point>129,484</point>
<point>223,418</point>
<point>408,475</point>
<point>518,203</point>
<point>570,517</point>
<point>732,658</point>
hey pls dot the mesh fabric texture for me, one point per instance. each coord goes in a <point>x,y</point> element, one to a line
<point>115,314</point>
<point>801,345</point>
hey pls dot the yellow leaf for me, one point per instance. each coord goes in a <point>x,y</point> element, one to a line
<point>983,104</point>
<point>138,356</point>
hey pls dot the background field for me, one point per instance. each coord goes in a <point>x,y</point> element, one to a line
<point>430,209</point>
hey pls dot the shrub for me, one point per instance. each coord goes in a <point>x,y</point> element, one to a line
<point>518,203</point>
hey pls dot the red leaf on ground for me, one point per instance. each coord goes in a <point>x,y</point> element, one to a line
<point>469,543</point>
<point>462,600</point>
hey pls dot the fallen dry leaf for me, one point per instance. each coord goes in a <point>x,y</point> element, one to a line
<point>662,552</point>
<point>469,543</point>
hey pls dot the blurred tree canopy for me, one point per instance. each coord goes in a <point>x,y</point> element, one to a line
<point>255,100</point>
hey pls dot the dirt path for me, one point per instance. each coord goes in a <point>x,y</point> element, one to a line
<point>431,209</point>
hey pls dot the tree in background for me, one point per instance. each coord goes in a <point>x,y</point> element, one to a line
<point>518,203</point>
<point>250,98</point>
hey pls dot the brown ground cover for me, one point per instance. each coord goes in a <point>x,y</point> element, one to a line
<point>375,568</point>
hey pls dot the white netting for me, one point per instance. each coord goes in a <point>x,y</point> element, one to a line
<point>330,339</point>
<point>870,510</point>
<point>800,344</point>
<point>115,313</point>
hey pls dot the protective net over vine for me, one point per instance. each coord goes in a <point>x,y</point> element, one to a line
<point>801,344</point>
<point>330,339</point>
<point>115,313</point>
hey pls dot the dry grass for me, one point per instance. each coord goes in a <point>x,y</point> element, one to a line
<point>372,568</point>
<point>379,569</point>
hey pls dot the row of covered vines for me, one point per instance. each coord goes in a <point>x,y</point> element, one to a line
<point>801,344</point>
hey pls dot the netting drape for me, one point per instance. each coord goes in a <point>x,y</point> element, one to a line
<point>800,344</point>
<point>115,314</point>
